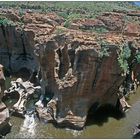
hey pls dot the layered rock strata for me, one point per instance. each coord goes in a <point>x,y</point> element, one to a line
<point>79,69</point>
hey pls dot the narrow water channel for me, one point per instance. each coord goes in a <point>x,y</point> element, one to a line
<point>31,127</point>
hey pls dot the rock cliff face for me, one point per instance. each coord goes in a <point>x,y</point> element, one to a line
<point>79,77</point>
<point>4,112</point>
<point>78,70</point>
<point>15,50</point>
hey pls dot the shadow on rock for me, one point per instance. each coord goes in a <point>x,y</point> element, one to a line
<point>101,115</point>
<point>136,132</point>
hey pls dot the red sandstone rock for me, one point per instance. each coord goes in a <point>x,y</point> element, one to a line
<point>71,66</point>
<point>132,29</point>
<point>113,21</point>
<point>80,80</point>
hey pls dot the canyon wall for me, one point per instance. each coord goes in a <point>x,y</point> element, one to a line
<point>15,49</point>
<point>80,69</point>
<point>80,76</point>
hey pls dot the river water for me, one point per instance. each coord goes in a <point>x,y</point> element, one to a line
<point>31,127</point>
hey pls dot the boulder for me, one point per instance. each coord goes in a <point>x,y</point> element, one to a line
<point>25,91</point>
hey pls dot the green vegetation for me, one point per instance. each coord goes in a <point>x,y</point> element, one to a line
<point>123,55</point>
<point>131,19</point>
<point>59,31</point>
<point>99,30</point>
<point>86,9</point>
<point>21,12</point>
<point>71,10</point>
<point>104,52</point>
<point>5,21</point>
<point>69,18</point>
<point>138,56</point>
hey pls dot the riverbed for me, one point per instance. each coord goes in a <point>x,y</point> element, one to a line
<point>31,127</point>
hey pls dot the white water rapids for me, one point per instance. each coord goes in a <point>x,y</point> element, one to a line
<point>28,128</point>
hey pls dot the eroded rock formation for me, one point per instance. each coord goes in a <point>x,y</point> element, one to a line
<point>79,77</point>
<point>78,68</point>
<point>5,126</point>
<point>25,91</point>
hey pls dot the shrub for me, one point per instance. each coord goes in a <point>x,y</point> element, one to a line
<point>104,49</point>
<point>5,21</point>
<point>104,52</point>
<point>63,14</point>
<point>59,31</point>
<point>99,29</point>
<point>138,56</point>
<point>123,55</point>
<point>69,19</point>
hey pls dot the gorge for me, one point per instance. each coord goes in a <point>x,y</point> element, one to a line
<point>76,68</point>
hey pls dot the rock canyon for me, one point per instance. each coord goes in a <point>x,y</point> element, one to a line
<point>70,71</point>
